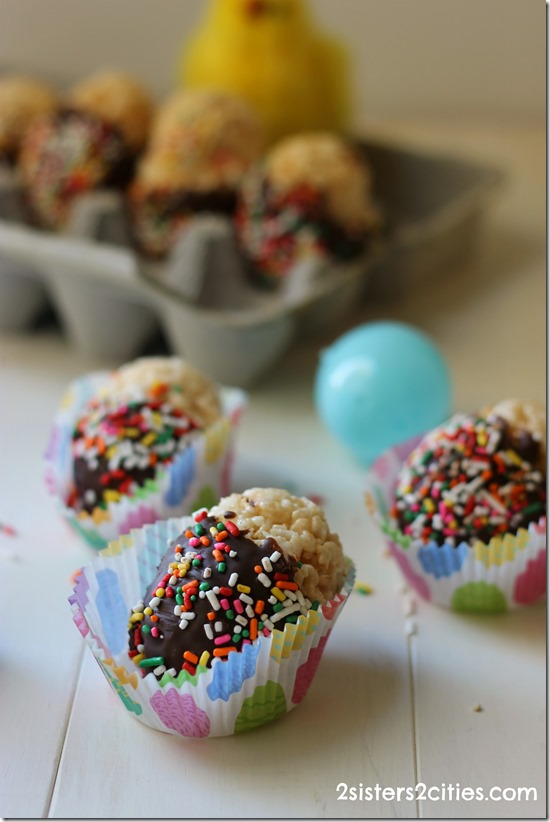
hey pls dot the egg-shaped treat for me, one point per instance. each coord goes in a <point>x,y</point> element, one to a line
<point>151,440</point>
<point>92,142</point>
<point>311,196</point>
<point>22,100</point>
<point>143,418</point>
<point>215,623</point>
<point>466,517</point>
<point>201,145</point>
<point>254,562</point>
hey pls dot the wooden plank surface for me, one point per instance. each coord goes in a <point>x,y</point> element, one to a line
<point>40,648</point>
<point>498,663</point>
<point>40,652</point>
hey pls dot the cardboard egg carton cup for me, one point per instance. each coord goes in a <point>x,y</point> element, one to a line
<point>111,301</point>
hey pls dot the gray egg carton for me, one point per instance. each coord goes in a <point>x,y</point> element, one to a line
<point>111,301</point>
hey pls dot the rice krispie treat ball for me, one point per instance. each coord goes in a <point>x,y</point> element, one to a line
<point>229,631</point>
<point>151,441</point>
<point>473,478</point>
<point>251,564</point>
<point>92,142</point>
<point>141,420</point>
<point>312,196</point>
<point>180,385</point>
<point>22,100</point>
<point>201,145</point>
<point>299,528</point>
<point>526,423</point>
<point>215,136</point>
<point>119,100</point>
<point>464,509</point>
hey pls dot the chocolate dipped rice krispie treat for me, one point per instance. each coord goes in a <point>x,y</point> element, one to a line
<point>246,567</point>
<point>91,142</point>
<point>202,143</point>
<point>466,517</point>
<point>311,196</point>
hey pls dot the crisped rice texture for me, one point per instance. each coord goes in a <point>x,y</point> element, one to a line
<point>327,163</point>
<point>300,529</point>
<point>119,100</point>
<point>529,416</point>
<point>201,140</point>
<point>189,390</point>
<point>22,100</point>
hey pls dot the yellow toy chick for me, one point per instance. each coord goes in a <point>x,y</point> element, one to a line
<point>270,53</point>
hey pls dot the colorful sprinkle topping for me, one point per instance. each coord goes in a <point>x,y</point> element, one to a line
<point>117,449</point>
<point>210,615</point>
<point>159,215</point>
<point>469,480</point>
<point>69,154</point>
<point>276,228</point>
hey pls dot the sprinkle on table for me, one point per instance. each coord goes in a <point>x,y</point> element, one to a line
<point>363,589</point>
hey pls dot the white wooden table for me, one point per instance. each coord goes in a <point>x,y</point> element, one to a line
<point>392,704</point>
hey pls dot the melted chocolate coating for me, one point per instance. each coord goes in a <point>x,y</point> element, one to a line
<point>220,201</point>
<point>120,161</point>
<point>77,153</point>
<point>522,442</point>
<point>172,642</point>
<point>117,450</point>
<point>99,479</point>
<point>160,210</point>
<point>275,249</point>
<point>508,487</point>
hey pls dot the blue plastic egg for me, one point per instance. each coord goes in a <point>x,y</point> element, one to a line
<point>379,384</point>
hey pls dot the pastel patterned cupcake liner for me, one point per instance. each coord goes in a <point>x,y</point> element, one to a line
<point>507,572</point>
<point>197,477</point>
<point>267,679</point>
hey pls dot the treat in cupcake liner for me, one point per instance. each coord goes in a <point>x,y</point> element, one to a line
<point>195,478</point>
<point>506,572</point>
<point>268,678</point>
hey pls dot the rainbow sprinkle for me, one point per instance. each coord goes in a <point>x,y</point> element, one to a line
<point>199,609</point>
<point>68,154</point>
<point>117,449</point>
<point>276,228</point>
<point>363,589</point>
<point>469,480</point>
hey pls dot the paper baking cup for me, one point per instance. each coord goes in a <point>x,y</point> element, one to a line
<point>267,679</point>
<point>196,478</point>
<point>505,573</point>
